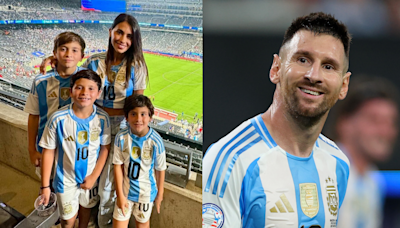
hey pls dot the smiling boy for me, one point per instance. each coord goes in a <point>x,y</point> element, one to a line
<point>78,138</point>
<point>51,91</point>
<point>139,165</point>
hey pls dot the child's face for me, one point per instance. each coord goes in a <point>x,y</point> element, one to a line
<point>121,37</point>
<point>84,92</point>
<point>138,120</point>
<point>69,55</point>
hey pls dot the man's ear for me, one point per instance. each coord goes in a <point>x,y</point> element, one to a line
<point>275,68</point>
<point>345,86</point>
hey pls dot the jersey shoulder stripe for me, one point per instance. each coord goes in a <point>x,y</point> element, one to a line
<point>232,163</point>
<point>159,144</point>
<point>262,130</point>
<point>42,77</point>
<point>101,113</point>
<point>122,133</point>
<point>98,56</point>
<point>57,116</point>
<point>328,145</point>
<point>219,147</point>
<point>156,137</point>
<point>328,141</point>
<point>227,151</point>
<point>155,134</point>
<point>120,136</point>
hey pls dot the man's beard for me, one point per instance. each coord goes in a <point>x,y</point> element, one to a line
<point>307,117</point>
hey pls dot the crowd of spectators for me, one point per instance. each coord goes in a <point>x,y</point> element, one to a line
<point>183,128</point>
<point>175,43</point>
<point>182,12</point>
<point>17,60</point>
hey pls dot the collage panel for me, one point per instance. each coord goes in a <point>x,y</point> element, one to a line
<point>101,113</point>
<point>266,160</point>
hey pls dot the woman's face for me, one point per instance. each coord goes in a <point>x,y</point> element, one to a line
<point>121,37</point>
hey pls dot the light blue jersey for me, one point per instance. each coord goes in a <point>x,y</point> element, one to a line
<point>114,93</point>
<point>77,143</point>
<point>49,92</point>
<point>365,198</point>
<point>140,156</point>
<point>249,181</point>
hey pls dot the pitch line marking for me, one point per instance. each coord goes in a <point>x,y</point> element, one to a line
<point>175,81</point>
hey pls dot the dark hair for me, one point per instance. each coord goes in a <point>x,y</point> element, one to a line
<point>88,74</point>
<point>134,54</point>
<point>320,23</point>
<point>364,89</point>
<point>135,101</point>
<point>68,37</point>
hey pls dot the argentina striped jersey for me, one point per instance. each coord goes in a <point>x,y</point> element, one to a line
<point>140,156</point>
<point>48,93</point>
<point>114,93</point>
<point>365,197</point>
<point>77,143</point>
<point>249,181</point>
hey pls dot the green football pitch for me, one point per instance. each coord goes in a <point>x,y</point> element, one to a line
<point>176,85</point>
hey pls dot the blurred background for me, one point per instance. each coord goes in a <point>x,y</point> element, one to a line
<point>240,40</point>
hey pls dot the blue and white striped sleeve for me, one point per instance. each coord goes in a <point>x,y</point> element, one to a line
<point>219,210</point>
<point>159,152</point>
<point>32,102</point>
<point>105,129</point>
<point>49,137</point>
<point>118,158</point>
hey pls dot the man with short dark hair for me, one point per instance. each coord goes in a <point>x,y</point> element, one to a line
<point>277,169</point>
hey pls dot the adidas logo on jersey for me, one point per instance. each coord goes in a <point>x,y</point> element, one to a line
<point>283,205</point>
<point>53,94</point>
<point>69,138</point>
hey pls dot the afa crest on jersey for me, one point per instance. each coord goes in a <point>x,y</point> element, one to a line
<point>212,216</point>
<point>94,135</point>
<point>82,137</point>
<point>120,79</point>
<point>147,152</point>
<point>309,199</point>
<point>65,93</point>
<point>332,199</point>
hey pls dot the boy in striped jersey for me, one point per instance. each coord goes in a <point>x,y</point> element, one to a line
<point>77,137</point>
<point>138,150</point>
<point>277,169</point>
<point>51,91</point>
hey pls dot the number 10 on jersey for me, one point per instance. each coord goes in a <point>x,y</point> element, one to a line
<point>133,170</point>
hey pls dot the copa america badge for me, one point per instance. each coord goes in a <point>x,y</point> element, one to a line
<point>212,216</point>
